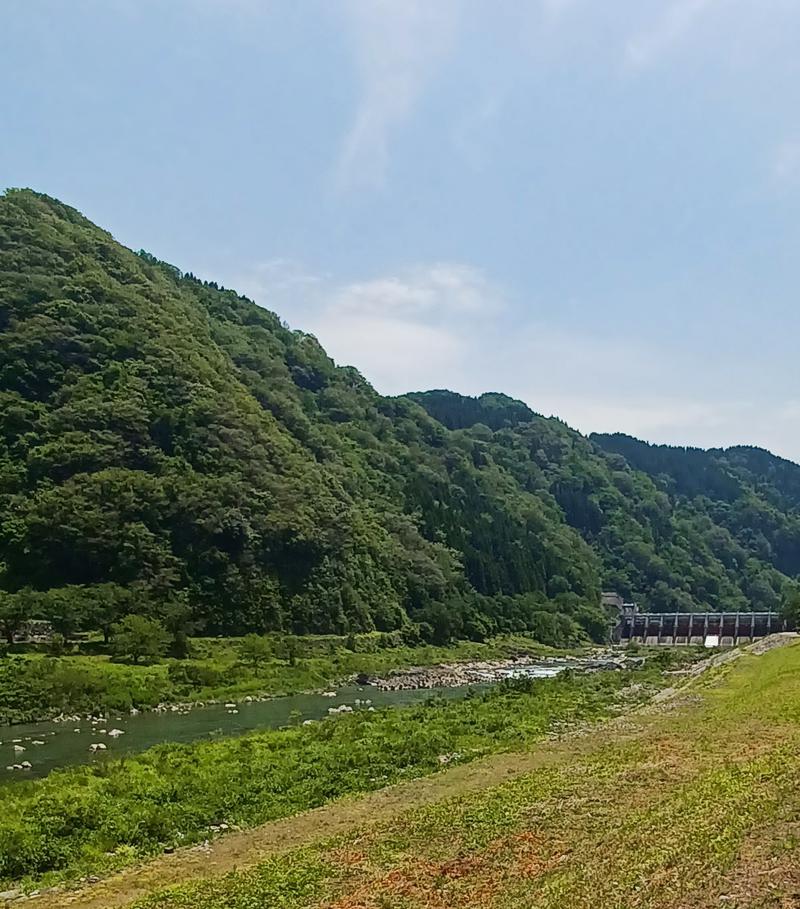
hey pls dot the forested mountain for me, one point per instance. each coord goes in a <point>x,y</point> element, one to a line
<point>674,528</point>
<point>167,446</point>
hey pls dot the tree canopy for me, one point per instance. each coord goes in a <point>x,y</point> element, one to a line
<point>166,441</point>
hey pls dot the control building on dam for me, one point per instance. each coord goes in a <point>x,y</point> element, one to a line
<point>714,629</point>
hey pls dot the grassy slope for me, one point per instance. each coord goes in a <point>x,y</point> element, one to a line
<point>88,819</point>
<point>694,805</point>
<point>35,686</point>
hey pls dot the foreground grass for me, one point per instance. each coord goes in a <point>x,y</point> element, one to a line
<point>36,686</point>
<point>95,818</point>
<point>692,807</point>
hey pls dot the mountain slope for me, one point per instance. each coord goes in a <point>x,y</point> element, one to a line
<point>674,528</point>
<point>169,447</point>
<point>167,441</point>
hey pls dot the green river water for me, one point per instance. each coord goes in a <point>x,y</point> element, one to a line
<point>67,743</point>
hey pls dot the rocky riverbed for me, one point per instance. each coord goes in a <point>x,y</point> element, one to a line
<point>485,672</point>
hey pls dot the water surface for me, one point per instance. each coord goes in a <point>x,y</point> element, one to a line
<point>68,743</point>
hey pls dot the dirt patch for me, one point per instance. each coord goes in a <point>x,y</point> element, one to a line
<point>464,881</point>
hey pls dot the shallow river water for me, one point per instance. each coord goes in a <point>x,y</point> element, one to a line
<point>67,743</point>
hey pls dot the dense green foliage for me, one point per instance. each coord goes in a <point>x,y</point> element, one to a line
<point>165,439</point>
<point>94,817</point>
<point>674,528</point>
<point>170,449</point>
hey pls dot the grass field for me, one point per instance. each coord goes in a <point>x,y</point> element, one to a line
<point>94,819</point>
<point>691,803</point>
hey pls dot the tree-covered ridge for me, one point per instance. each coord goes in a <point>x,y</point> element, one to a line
<point>168,446</point>
<point>749,494</point>
<point>674,528</point>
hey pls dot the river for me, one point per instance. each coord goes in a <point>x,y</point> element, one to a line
<point>49,745</point>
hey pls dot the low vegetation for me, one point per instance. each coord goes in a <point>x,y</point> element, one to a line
<point>684,808</point>
<point>87,819</point>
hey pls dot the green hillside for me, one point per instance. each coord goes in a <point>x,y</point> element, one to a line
<point>167,442</point>
<point>674,528</point>
<point>169,447</point>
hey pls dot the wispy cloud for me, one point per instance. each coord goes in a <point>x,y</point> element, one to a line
<point>398,45</point>
<point>449,325</point>
<point>786,162</point>
<point>434,291</point>
<point>646,47</point>
<point>416,327</point>
<point>556,8</point>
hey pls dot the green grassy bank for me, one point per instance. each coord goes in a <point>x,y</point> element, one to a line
<point>91,819</point>
<point>689,808</point>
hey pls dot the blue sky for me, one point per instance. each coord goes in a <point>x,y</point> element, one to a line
<point>593,206</point>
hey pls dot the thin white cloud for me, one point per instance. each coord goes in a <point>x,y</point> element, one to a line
<point>555,8</point>
<point>447,325</point>
<point>415,327</point>
<point>398,45</point>
<point>445,288</point>
<point>786,162</point>
<point>677,20</point>
<point>393,353</point>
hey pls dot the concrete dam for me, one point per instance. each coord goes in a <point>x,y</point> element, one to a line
<point>714,629</point>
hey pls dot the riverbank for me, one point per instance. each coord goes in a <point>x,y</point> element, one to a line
<point>686,804</point>
<point>91,820</point>
<point>682,808</point>
<point>34,750</point>
<point>37,686</point>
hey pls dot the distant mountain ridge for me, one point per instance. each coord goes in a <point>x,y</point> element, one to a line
<point>165,441</point>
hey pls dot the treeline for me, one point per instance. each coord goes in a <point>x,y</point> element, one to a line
<point>165,441</point>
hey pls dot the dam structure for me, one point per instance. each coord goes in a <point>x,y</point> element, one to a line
<point>714,629</point>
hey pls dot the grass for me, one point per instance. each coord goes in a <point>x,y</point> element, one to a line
<point>36,686</point>
<point>682,808</point>
<point>90,819</point>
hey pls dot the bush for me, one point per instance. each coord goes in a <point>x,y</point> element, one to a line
<point>194,675</point>
<point>139,638</point>
<point>254,649</point>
